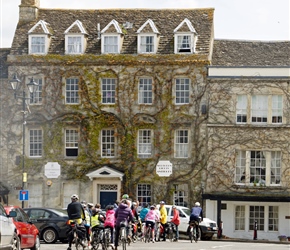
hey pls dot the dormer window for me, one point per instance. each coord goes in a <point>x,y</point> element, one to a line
<point>75,39</point>
<point>148,38</point>
<point>39,38</point>
<point>185,38</point>
<point>112,38</point>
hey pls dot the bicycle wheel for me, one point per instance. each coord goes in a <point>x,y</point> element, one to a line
<point>157,234</point>
<point>194,234</point>
<point>147,234</point>
<point>170,234</point>
<point>191,234</point>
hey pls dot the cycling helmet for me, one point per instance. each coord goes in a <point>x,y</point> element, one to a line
<point>152,207</point>
<point>162,202</point>
<point>74,197</point>
<point>197,204</point>
<point>125,196</point>
<point>134,203</point>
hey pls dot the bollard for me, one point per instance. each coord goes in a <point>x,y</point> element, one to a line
<point>220,230</point>
<point>255,230</point>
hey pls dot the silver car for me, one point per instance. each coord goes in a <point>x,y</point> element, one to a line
<point>8,236</point>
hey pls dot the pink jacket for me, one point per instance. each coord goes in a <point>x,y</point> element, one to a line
<point>110,218</point>
<point>151,216</point>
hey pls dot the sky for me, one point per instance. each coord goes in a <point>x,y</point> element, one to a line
<point>265,20</point>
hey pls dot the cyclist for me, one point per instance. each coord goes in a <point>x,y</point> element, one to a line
<point>150,218</point>
<point>163,218</point>
<point>196,216</point>
<point>142,215</point>
<point>110,220</point>
<point>123,213</point>
<point>176,221</point>
<point>75,212</point>
<point>87,221</point>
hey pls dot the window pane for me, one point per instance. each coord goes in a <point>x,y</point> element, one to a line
<point>144,143</point>
<point>108,90</point>
<point>182,91</point>
<point>241,167</point>
<point>72,91</point>
<point>258,167</point>
<point>259,108</point>
<point>184,44</point>
<point>241,108</point>
<point>38,45</point>
<point>147,44</point>
<point>35,142</point>
<point>277,109</point>
<point>273,218</point>
<point>240,218</point>
<point>71,142</point>
<point>74,45</point>
<point>275,167</point>
<point>108,143</point>
<point>110,44</point>
<point>145,91</point>
<point>256,214</point>
<point>37,96</point>
<point>181,144</point>
<point>144,194</point>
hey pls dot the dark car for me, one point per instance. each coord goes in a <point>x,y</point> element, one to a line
<point>51,223</point>
<point>26,231</point>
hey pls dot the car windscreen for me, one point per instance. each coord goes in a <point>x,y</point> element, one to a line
<point>186,211</point>
<point>60,212</point>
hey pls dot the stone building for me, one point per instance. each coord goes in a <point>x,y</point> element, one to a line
<point>248,131</point>
<point>120,91</point>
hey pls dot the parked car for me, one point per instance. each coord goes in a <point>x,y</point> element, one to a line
<point>26,231</point>
<point>51,223</point>
<point>207,227</point>
<point>8,235</point>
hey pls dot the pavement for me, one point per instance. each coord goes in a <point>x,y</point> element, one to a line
<point>225,238</point>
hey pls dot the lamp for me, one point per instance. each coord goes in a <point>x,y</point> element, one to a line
<point>32,87</point>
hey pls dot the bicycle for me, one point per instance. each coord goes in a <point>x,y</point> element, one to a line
<point>170,230</point>
<point>148,233</point>
<point>158,231</point>
<point>78,231</point>
<point>101,237</point>
<point>123,235</point>
<point>193,230</point>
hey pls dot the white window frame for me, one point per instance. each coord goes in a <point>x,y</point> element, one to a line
<point>108,89</point>
<point>145,91</point>
<point>181,143</point>
<point>35,143</point>
<point>36,98</point>
<point>76,47</point>
<point>260,109</point>
<point>144,143</point>
<point>257,213</point>
<point>241,109</point>
<point>144,44</point>
<point>38,48</point>
<point>258,168</point>
<point>182,46</point>
<point>71,142</point>
<point>182,91</point>
<point>273,218</point>
<point>277,109</point>
<point>72,91</point>
<point>240,218</point>
<point>105,46</point>
<point>108,143</point>
<point>144,194</point>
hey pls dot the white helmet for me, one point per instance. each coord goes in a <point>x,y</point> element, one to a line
<point>197,204</point>
<point>74,197</point>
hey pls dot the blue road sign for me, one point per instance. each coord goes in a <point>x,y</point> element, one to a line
<point>23,195</point>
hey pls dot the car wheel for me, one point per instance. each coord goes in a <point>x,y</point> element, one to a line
<point>49,235</point>
<point>37,244</point>
<point>15,243</point>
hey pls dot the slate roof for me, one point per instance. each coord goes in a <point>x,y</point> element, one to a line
<point>166,20</point>
<point>251,53</point>
<point>3,63</point>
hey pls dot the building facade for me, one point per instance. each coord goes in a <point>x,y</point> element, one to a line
<point>248,129</point>
<point>119,91</point>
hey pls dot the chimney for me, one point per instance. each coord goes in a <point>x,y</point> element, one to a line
<point>28,10</point>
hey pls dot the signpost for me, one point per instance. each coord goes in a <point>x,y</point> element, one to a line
<point>164,168</point>
<point>23,195</point>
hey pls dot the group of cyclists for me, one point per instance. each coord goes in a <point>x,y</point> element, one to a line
<point>92,217</point>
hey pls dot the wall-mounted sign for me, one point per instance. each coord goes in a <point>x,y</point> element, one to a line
<point>52,170</point>
<point>164,168</point>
